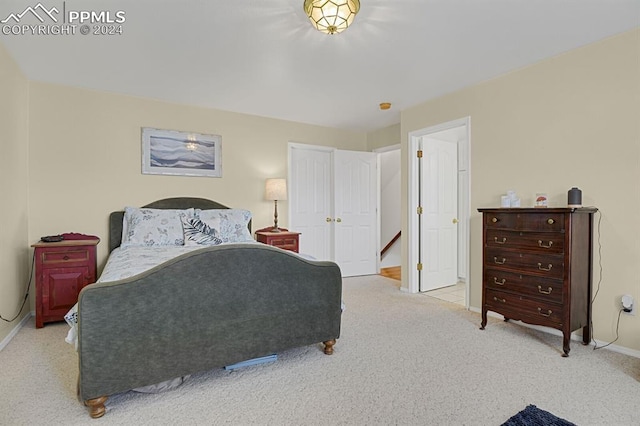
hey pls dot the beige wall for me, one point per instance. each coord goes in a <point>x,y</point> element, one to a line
<point>381,138</point>
<point>85,158</point>
<point>572,120</point>
<point>14,250</point>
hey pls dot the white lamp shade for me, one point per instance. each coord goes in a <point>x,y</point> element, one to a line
<point>276,189</point>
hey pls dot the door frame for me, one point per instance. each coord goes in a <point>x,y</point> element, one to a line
<point>464,194</point>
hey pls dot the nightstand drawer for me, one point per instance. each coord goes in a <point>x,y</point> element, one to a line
<point>65,255</point>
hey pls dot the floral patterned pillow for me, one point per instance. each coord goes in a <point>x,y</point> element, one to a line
<point>153,227</point>
<point>218,226</point>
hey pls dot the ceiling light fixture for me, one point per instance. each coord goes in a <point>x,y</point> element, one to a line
<point>385,105</point>
<point>331,16</point>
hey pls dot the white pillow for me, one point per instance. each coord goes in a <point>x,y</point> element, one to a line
<point>218,226</point>
<point>153,227</point>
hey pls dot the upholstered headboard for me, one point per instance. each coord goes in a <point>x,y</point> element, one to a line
<point>179,203</point>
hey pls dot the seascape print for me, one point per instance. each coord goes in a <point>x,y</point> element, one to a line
<point>170,152</point>
<point>182,153</point>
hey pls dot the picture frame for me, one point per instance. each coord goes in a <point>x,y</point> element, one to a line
<point>171,152</point>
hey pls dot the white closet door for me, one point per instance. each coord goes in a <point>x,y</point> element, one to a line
<point>310,202</point>
<point>333,201</point>
<point>355,212</point>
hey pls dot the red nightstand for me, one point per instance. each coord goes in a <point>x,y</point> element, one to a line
<point>284,239</point>
<point>62,270</point>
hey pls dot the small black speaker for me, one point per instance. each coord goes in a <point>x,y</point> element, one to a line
<point>574,197</point>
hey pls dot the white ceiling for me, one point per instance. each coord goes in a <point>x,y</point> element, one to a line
<point>262,57</point>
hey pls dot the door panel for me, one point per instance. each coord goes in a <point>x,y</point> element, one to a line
<point>355,207</point>
<point>310,203</point>
<point>440,209</point>
<point>334,205</point>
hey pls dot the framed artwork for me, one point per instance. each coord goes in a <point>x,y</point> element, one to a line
<point>169,152</point>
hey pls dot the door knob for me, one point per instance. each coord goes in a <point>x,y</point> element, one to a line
<point>338,220</point>
<point>328,219</point>
<point>455,220</point>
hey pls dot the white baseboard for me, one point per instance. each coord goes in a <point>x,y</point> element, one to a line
<point>15,330</point>
<point>574,336</point>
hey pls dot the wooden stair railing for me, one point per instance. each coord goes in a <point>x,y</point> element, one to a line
<point>388,246</point>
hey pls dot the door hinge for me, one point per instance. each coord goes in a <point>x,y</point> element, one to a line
<point>419,210</point>
<point>419,266</point>
<point>419,153</point>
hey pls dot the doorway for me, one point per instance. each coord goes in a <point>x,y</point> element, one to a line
<point>455,132</point>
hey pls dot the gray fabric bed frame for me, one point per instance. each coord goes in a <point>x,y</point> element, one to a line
<point>209,308</point>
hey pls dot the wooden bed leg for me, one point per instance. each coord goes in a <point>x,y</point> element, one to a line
<point>96,406</point>
<point>328,346</point>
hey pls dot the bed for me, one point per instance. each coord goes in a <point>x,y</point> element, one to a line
<point>215,304</point>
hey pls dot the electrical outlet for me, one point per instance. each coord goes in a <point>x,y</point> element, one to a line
<point>628,304</point>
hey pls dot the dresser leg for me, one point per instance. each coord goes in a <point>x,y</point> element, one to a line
<point>484,319</point>
<point>586,334</point>
<point>565,344</point>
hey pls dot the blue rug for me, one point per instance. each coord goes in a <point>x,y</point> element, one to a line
<point>533,416</point>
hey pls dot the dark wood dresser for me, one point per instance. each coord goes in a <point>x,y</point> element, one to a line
<point>537,267</point>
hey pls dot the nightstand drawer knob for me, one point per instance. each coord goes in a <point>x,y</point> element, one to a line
<point>494,219</point>
<point>551,221</point>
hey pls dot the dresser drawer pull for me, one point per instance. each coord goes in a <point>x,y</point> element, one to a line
<point>551,221</point>
<point>548,268</point>
<point>502,300</point>
<point>547,314</point>
<point>540,290</point>
<point>495,281</point>
<point>494,219</point>
<point>504,240</point>
<point>495,260</point>
<point>541,244</point>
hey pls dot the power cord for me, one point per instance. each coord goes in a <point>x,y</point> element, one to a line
<point>599,280</point>
<point>617,324</point>
<point>595,343</point>
<point>26,296</point>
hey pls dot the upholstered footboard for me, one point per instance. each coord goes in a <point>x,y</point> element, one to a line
<point>206,309</point>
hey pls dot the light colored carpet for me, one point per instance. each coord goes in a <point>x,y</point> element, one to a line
<point>401,360</point>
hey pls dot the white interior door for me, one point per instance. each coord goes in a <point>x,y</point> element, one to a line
<point>333,203</point>
<point>311,199</point>
<point>439,186</point>
<point>355,218</point>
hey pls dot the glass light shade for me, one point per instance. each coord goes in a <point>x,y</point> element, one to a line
<point>276,189</point>
<point>331,16</point>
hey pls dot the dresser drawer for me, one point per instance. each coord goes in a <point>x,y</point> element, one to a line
<point>545,242</point>
<point>546,265</point>
<point>542,221</point>
<point>517,307</point>
<point>64,256</point>
<point>544,289</point>
<point>499,220</point>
